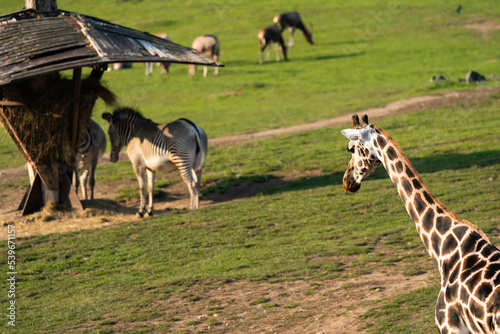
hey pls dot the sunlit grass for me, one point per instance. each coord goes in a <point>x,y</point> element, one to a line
<point>307,229</point>
<point>366,54</point>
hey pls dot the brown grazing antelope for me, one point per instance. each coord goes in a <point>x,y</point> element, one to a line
<point>208,45</point>
<point>271,35</point>
<point>164,66</point>
<point>292,21</point>
<point>119,66</point>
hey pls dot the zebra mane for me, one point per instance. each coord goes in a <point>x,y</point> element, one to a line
<point>129,114</point>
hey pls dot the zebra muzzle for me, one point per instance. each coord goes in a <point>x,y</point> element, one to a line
<point>113,157</point>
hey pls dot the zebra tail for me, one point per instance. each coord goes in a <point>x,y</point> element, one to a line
<point>199,144</point>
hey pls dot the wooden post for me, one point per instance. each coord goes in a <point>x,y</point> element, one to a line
<point>50,174</point>
<point>77,84</point>
<point>69,188</point>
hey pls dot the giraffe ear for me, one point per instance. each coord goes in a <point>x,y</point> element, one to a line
<point>357,134</point>
<point>351,134</point>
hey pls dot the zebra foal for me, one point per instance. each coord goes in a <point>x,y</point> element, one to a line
<point>153,147</point>
<point>91,149</point>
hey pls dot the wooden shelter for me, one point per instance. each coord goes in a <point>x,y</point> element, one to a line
<point>46,114</point>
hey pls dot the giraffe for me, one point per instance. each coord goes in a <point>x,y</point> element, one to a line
<point>469,265</point>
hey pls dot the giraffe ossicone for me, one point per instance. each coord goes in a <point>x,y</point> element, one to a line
<point>469,265</point>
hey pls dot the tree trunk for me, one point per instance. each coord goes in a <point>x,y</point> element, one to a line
<point>42,6</point>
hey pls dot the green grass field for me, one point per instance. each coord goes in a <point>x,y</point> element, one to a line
<point>124,278</point>
<point>366,53</point>
<point>110,279</point>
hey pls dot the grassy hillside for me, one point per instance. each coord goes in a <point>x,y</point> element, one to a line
<point>128,278</point>
<point>367,53</point>
<point>171,273</point>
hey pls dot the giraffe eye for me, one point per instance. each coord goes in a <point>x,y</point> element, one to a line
<point>350,149</point>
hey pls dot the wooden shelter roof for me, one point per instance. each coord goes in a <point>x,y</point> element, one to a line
<point>33,44</point>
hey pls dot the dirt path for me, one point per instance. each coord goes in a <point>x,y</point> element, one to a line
<point>49,222</point>
<point>394,108</point>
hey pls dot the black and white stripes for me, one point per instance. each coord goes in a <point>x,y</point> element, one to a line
<point>152,147</point>
<point>92,147</point>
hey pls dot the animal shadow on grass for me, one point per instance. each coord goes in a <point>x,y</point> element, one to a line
<point>233,188</point>
<point>429,164</point>
<point>107,205</point>
<point>305,183</point>
<point>455,161</point>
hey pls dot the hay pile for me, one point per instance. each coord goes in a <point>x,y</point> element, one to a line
<point>43,123</point>
<point>54,218</point>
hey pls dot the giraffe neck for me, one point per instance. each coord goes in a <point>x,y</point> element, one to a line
<point>469,265</point>
<point>432,220</point>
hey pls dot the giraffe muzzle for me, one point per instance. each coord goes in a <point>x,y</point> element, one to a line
<point>351,185</point>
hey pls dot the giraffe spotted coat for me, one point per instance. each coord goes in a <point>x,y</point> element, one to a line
<point>469,265</point>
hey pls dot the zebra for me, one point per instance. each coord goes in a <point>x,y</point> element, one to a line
<point>152,147</point>
<point>91,149</point>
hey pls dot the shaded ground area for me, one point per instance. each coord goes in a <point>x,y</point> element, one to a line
<point>51,222</point>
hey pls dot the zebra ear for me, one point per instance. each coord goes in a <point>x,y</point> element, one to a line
<point>108,117</point>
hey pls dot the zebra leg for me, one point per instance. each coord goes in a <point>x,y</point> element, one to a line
<point>92,168</point>
<point>151,187</point>
<point>198,180</point>
<point>92,181</point>
<point>197,188</point>
<point>205,71</point>
<point>139,173</point>
<point>83,182</point>
<point>193,193</point>
<point>76,180</point>
<point>187,175</point>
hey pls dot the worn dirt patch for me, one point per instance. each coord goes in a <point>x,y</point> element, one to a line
<point>296,307</point>
<point>483,27</point>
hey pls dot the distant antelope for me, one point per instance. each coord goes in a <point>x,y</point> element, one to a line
<point>164,66</point>
<point>292,21</point>
<point>271,35</point>
<point>209,45</point>
<point>119,66</point>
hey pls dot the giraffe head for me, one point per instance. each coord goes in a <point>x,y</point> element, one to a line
<point>364,156</point>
